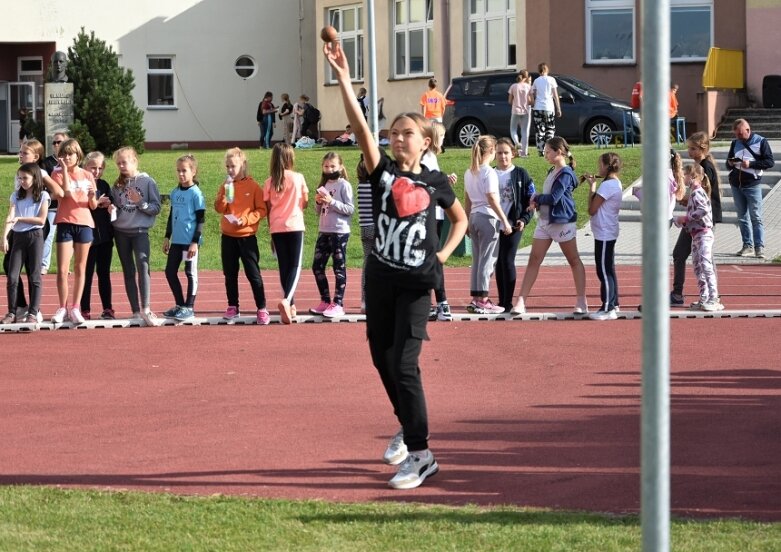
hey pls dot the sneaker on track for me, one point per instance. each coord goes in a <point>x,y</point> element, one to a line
<point>696,306</point>
<point>149,318</point>
<point>334,310</point>
<point>285,312</point>
<point>60,315</point>
<point>676,300</point>
<point>75,316</point>
<point>171,313</point>
<point>443,312</point>
<point>320,309</point>
<point>432,313</point>
<point>414,470</point>
<point>9,318</point>
<point>396,451</point>
<point>31,320</point>
<point>262,317</point>
<point>603,315</point>
<point>107,314</point>
<point>184,313</point>
<point>231,313</point>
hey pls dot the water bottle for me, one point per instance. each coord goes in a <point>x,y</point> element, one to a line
<point>229,191</point>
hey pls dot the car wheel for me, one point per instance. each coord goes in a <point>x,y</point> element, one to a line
<point>600,132</point>
<point>467,132</point>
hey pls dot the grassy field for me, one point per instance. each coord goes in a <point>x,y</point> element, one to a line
<point>36,518</point>
<point>161,166</point>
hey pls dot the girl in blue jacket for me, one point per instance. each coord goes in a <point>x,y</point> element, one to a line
<point>557,217</point>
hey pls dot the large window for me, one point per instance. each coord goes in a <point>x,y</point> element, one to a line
<point>610,25</point>
<point>348,21</point>
<point>160,82</point>
<point>691,30</point>
<point>491,36</point>
<point>413,31</point>
<point>610,33</point>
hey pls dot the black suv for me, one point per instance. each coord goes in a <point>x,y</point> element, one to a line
<point>477,104</point>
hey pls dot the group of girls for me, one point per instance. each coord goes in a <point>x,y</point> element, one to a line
<point>93,216</point>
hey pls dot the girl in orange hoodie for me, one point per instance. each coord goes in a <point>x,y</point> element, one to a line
<point>240,201</point>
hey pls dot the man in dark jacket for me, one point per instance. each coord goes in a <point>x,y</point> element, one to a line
<point>749,155</point>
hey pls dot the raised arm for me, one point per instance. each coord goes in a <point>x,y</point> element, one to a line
<point>338,62</point>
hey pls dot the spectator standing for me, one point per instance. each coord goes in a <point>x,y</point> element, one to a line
<point>520,117</point>
<point>749,155</point>
<point>266,111</point>
<point>545,99</point>
<point>286,118</point>
<point>432,102</point>
<point>49,231</point>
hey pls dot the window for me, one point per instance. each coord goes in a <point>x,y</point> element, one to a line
<point>30,69</point>
<point>348,21</point>
<point>691,30</point>
<point>610,36</point>
<point>491,39</point>
<point>413,30</point>
<point>245,67</point>
<point>160,82</point>
<point>610,28</point>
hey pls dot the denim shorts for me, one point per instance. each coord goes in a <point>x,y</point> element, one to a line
<point>76,233</point>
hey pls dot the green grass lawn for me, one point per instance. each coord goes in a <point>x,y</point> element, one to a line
<point>161,166</point>
<point>39,518</point>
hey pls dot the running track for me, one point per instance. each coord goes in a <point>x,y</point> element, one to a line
<point>542,414</point>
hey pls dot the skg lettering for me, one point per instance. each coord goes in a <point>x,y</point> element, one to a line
<point>390,235</point>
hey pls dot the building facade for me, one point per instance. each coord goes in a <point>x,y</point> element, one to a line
<point>598,41</point>
<point>201,67</point>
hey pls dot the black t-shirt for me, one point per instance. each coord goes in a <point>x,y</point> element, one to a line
<point>406,241</point>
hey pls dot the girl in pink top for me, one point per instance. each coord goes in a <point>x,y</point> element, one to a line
<point>286,197</point>
<point>520,117</point>
<point>74,227</point>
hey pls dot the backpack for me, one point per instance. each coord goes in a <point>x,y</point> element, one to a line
<point>311,115</point>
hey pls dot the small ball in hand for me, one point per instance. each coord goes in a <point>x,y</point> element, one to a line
<point>328,34</point>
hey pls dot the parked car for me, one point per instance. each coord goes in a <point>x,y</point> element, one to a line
<point>477,104</point>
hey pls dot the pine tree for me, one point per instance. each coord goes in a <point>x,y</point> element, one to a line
<point>105,115</point>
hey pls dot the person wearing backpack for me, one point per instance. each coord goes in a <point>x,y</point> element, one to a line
<point>311,119</point>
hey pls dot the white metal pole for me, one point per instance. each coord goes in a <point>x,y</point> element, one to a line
<point>655,417</point>
<point>372,61</point>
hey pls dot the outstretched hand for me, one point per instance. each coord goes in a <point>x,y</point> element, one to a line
<point>336,59</point>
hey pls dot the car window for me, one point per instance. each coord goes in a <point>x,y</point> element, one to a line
<point>499,88</point>
<point>474,87</point>
<point>584,88</point>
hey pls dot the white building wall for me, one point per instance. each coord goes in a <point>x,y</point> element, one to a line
<point>213,104</point>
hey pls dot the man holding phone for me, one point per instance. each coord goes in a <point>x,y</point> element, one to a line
<point>749,155</point>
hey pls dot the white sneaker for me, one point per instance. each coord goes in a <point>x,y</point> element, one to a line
<point>414,470</point>
<point>581,307</point>
<point>59,315</point>
<point>396,451</point>
<point>520,307</point>
<point>75,316</point>
<point>603,315</point>
<point>149,318</point>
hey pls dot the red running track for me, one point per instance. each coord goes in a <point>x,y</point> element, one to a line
<point>543,415</point>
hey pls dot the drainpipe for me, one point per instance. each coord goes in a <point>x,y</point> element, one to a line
<point>444,10</point>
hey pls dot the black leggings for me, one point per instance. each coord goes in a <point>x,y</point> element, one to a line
<point>246,249</point>
<point>21,300</point>
<point>176,254</point>
<point>98,260</point>
<point>289,247</point>
<point>604,256</point>
<point>331,246</point>
<point>439,291</point>
<point>506,274</point>
<point>26,252</point>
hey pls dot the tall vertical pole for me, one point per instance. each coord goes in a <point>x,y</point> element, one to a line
<point>655,417</point>
<point>372,60</point>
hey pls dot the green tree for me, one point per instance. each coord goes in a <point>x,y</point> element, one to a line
<point>105,115</point>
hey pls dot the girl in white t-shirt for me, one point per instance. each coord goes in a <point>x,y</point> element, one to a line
<point>604,203</point>
<point>546,108</point>
<point>486,220</point>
